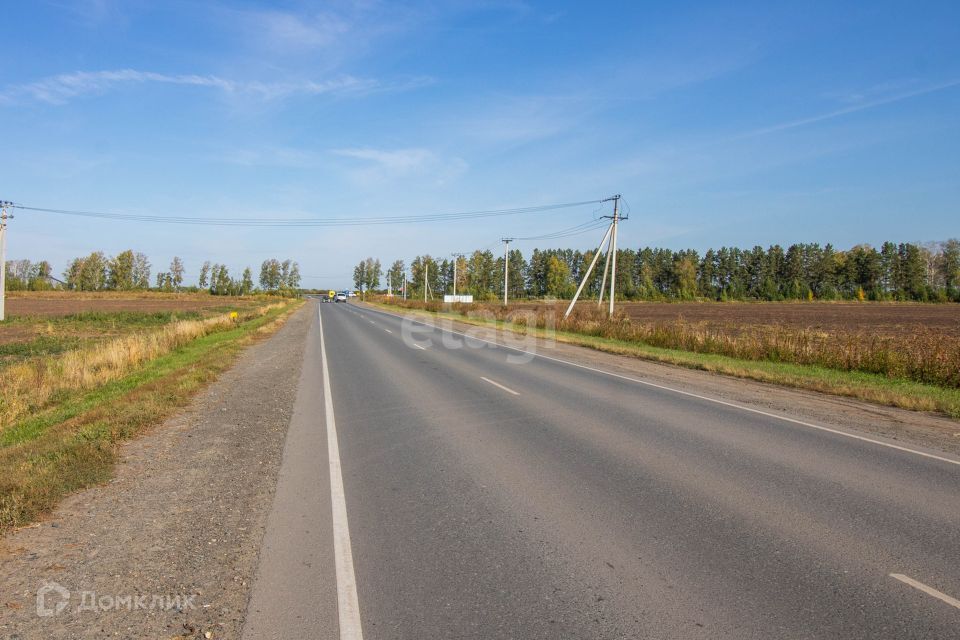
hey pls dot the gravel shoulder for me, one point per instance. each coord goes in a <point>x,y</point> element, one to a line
<point>181,522</point>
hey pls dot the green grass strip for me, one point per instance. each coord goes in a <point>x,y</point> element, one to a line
<point>77,403</point>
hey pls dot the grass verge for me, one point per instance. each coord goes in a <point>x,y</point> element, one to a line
<point>895,392</point>
<point>73,443</point>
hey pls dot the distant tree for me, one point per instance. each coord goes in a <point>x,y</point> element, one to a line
<point>220,282</point>
<point>120,271</point>
<point>423,266</point>
<point>482,278</point>
<point>517,274</point>
<point>293,276</point>
<point>141,271</point>
<point>203,281</point>
<point>372,272</point>
<point>559,284</point>
<point>93,272</point>
<point>246,282</point>
<point>271,275</point>
<point>176,273</point>
<point>396,275</point>
<point>360,275</point>
<point>950,268</point>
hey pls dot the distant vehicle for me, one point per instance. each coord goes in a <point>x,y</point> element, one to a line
<point>352,294</point>
<point>328,297</point>
<point>340,297</point>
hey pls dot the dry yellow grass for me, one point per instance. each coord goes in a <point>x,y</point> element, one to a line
<point>73,441</point>
<point>33,384</point>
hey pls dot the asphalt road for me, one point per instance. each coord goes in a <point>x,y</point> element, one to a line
<point>490,495</point>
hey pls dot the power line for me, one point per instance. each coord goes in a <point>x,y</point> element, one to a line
<point>571,231</point>
<point>310,222</point>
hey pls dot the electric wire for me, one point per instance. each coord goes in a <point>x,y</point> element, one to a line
<point>311,222</point>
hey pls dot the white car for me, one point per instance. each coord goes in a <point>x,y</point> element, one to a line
<point>341,297</point>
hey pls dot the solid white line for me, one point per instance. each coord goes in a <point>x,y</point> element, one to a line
<point>497,384</point>
<point>348,604</point>
<point>695,395</point>
<point>930,591</point>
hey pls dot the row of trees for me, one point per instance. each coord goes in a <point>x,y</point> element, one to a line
<point>366,275</point>
<point>96,272</point>
<point>130,270</point>
<point>801,272</point>
<point>26,275</point>
<point>276,276</point>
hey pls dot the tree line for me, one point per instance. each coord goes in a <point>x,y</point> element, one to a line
<point>130,271</point>
<point>905,271</point>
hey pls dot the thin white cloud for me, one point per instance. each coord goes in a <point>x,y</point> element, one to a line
<point>399,160</point>
<point>61,88</point>
<point>862,106</point>
<point>379,165</point>
<point>290,31</point>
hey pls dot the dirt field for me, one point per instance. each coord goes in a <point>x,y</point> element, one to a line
<point>47,323</point>
<point>62,304</point>
<point>886,319</point>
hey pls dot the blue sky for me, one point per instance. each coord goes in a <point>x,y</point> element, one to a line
<point>720,123</point>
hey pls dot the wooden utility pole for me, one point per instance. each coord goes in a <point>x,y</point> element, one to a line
<point>506,267</point>
<point>4,216</point>
<point>613,252</point>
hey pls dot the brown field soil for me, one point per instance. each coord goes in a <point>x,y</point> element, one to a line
<point>41,324</point>
<point>52,304</point>
<point>876,318</point>
<point>914,342</point>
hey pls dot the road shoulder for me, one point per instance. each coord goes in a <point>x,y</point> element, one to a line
<point>181,521</point>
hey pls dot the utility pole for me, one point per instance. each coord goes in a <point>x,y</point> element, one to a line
<point>4,216</point>
<point>506,266</point>
<point>610,238</point>
<point>456,259</point>
<point>389,285</point>
<point>613,252</point>
<point>426,270</point>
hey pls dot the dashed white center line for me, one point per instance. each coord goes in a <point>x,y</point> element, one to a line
<point>419,347</point>
<point>388,331</point>
<point>930,591</point>
<point>497,384</point>
<point>654,385</point>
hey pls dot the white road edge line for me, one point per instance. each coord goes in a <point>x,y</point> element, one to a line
<point>497,384</point>
<point>692,395</point>
<point>930,591</point>
<point>348,604</point>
